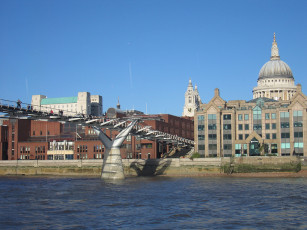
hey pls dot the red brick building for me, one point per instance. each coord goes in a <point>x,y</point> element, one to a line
<point>3,142</point>
<point>29,139</point>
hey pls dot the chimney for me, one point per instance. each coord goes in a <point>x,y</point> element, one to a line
<point>216,92</point>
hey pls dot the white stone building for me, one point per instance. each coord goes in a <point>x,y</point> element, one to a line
<point>84,103</point>
<point>275,79</point>
<point>192,100</point>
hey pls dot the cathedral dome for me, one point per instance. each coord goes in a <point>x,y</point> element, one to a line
<point>275,68</point>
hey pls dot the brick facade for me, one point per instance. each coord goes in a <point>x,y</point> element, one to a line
<point>30,139</point>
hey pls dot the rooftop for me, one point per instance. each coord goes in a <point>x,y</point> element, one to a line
<point>59,100</point>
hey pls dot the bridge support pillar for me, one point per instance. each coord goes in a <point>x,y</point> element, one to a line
<point>112,167</point>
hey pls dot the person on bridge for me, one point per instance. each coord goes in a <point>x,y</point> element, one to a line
<point>18,104</point>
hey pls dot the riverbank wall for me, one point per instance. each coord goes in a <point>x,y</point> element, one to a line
<point>158,167</point>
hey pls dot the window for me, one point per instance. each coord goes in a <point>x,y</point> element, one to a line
<point>298,134</point>
<point>246,117</point>
<point>273,148</point>
<point>246,126</point>
<point>41,133</point>
<point>297,113</point>
<point>273,135</point>
<point>267,136</point>
<point>227,127</point>
<point>212,126</point>
<point>238,148</point>
<point>273,115</point>
<point>298,145</point>
<point>227,137</point>
<point>240,117</point>
<point>227,117</point>
<point>211,116</point>
<point>201,147</point>
<point>267,116</point>
<point>201,117</point>
<point>267,126</point>
<point>227,146</point>
<point>240,127</point>
<point>246,136</point>
<point>285,135</point>
<point>33,133</point>
<point>212,146</point>
<point>284,114</point>
<point>201,137</point>
<point>240,136</point>
<point>257,127</point>
<point>298,124</point>
<point>201,127</point>
<point>284,125</point>
<point>257,113</point>
<point>211,136</point>
<point>273,125</point>
<point>285,145</point>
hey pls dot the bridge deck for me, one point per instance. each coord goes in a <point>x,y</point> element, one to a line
<point>11,110</point>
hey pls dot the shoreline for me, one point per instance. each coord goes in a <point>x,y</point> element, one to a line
<point>301,174</point>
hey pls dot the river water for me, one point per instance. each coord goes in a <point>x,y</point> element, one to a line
<point>153,203</point>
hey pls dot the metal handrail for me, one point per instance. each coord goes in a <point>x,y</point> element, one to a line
<point>146,132</point>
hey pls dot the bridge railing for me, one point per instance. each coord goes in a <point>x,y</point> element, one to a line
<point>39,108</point>
<point>14,104</point>
<point>9,107</point>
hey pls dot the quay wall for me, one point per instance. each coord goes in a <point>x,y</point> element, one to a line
<point>156,167</point>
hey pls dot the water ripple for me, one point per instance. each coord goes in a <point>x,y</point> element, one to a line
<point>153,203</point>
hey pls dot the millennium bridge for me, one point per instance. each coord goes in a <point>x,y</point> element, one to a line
<point>112,167</point>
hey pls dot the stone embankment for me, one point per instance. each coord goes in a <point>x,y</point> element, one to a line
<point>241,166</point>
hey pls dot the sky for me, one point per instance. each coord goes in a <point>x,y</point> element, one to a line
<point>145,52</point>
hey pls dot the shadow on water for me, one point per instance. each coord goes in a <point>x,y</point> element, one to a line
<point>150,167</point>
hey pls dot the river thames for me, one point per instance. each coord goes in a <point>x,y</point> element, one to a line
<point>153,203</point>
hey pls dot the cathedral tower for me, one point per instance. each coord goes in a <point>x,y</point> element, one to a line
<point>192,100</point>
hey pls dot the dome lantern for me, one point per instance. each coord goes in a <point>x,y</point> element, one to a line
<point>274,50</point>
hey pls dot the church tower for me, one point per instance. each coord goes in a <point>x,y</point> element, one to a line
<point>192,101</point>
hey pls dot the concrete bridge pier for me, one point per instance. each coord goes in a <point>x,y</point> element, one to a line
<point>112,167</point>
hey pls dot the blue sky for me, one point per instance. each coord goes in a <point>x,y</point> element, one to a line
<point>144,52</point>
